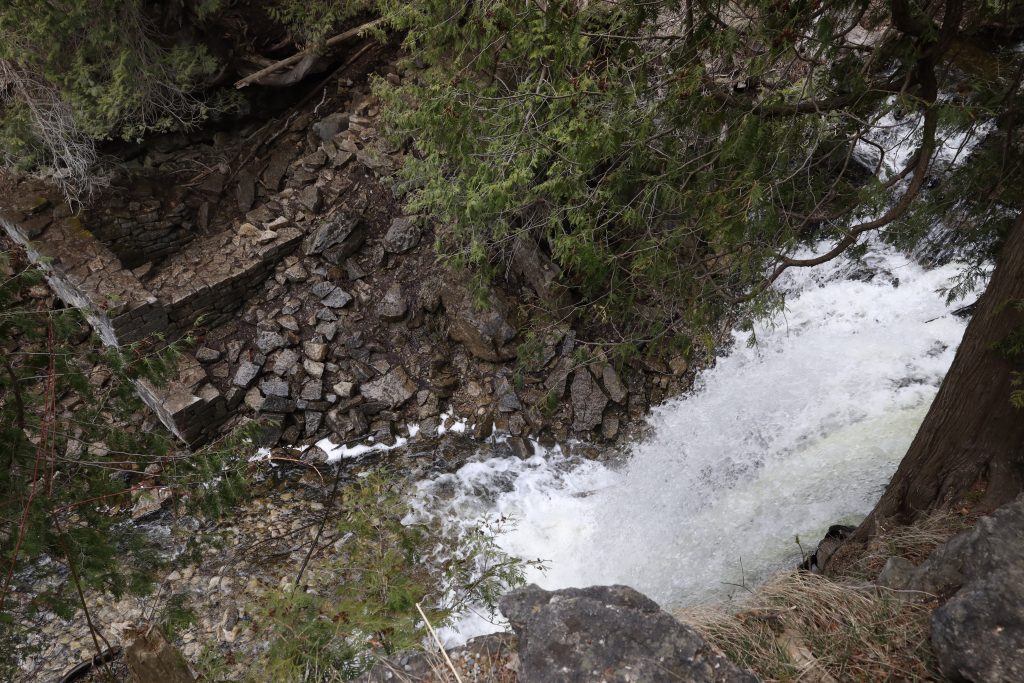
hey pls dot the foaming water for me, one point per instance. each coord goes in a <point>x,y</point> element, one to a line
<point>779,440</point>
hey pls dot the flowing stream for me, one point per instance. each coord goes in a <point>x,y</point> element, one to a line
<point>777,441</point>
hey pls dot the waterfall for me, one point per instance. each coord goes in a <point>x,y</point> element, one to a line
<point>777,441</point>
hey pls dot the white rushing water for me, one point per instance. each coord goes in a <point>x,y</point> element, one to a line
<point>778,440</point>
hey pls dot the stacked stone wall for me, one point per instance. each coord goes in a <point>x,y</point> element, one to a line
<point>203,283</point>
<point>140,232</point>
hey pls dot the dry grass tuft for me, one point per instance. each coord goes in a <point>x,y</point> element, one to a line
<point>805,627</point>
<point>914,542</point>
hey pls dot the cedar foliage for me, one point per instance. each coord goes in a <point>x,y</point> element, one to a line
<point>73,459</point>
<point>365,602</point>
<point>673,157</point>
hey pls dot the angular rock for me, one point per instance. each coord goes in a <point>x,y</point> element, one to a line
<point>315,350</point>
<point>245,192</point>
<point>403,235</point>
<point>254,399</point>
<point>322,289</point>
<point>613,385</point>
<point>267,341</point>
<point>246,374</point>
<point>285,362</point>
<point>327,330</point>
<point>311,198</point>
<point>375,160</point>
<point>505,395</point>
<point>353,271</point>
<point>330,125</point>
<point>392,306</point>
<point>338,298</point>
<point>204,354</point>
<point>274,386</point>
<point>610,426</point>
<point>312,390</point>
<point>588,401</point>
<point>611,634</point>
<point>313,368</point>
<point>277,404</point>
<point>337,237</point>
<point>343,389</point>
<point>392,389</point>
<point>539,271</point>
<point>313,421</point>
<point>289,323</point>
<point>296,273</point>
<point>276,168</point>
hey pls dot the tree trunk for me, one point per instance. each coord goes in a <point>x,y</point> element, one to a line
<point>971,432</point>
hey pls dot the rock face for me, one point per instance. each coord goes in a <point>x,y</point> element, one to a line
<point>608,633</point>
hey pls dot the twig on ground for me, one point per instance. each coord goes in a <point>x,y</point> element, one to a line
<point>444,653</point>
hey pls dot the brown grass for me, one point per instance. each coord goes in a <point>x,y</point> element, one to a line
<point>805,627</point>
<point>914,542</point>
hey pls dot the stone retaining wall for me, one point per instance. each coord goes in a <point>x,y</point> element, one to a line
<point>140,232</point>
<point>82,271</point>
<point>204,283</point>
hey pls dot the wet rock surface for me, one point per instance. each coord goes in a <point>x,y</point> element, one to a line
<point>608,633</point>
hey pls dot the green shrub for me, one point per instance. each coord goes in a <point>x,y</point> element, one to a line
<point>365,600</point>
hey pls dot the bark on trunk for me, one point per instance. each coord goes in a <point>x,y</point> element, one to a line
<point>971,432</point>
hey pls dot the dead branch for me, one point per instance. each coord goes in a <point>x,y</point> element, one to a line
<point>302,58</point>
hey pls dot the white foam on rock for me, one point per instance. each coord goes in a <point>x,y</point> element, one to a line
<point>336,452</point>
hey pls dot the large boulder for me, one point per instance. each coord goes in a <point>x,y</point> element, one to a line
<point>978,634</point>
<point>995,544</point>
<point>611,634</point>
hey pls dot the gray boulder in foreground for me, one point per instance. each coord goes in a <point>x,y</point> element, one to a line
<point>609,634</point>
<point>978,634</point>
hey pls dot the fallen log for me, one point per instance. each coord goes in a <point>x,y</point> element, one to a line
<point>304,55</point>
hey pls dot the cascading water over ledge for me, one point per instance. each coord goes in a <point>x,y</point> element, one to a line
<point>778,440</point>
